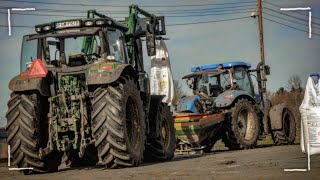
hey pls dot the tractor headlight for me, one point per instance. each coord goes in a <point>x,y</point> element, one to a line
<point>109,22</point>
<point>88,23</point>
<point>46,28</point>
<point>38,29</point>
<point>99,22</point>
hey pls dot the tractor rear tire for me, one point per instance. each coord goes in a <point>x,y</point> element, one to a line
<point>161,142</point>
<point>242,126</point>
<point>118,122</point>
<point>287,134</point>
<point>27,130</point>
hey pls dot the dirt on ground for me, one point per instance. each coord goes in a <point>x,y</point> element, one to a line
<point>260,163</point>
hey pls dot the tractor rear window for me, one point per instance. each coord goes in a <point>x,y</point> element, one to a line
<point>28,52</point>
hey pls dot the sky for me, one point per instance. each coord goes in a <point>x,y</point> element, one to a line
<point>288,51</point>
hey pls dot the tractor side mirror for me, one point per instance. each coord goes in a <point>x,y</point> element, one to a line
<point>267,68</point>
<point>151,44</point>
<point>190,83</point>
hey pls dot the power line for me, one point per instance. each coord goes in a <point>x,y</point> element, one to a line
<point>174,16</point>
<point>289,26</point>
<point>159,12</point>
<point>110,5</point>
<point>197,15</point>
<point>288,20</point>
<point>290,15</point>
<point>126,11</point>
<point>205,22</point>
<point>293,11</point>
<point>22,26</point>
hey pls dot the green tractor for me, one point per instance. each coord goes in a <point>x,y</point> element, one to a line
<point>83,95</point>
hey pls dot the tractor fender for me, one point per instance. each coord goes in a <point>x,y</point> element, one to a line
<point>95,75</point>
<point>276,113</point>
<point>228,97</point>
<point>19,84</point>
<point>190,104</point>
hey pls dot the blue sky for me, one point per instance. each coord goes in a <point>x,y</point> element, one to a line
<point>287,51</point>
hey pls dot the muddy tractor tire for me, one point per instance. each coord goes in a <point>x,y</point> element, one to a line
<point>242,126</point>
<point>118,122</point>
<point>27,130</point>
<point>287,133</point>
<point>161,142</point>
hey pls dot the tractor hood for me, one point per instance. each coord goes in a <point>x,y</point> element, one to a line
<point>189,104</point>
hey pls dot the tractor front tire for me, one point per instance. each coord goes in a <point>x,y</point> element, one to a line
<point>161,142</point>
<point>119,124</point>
<point>287,134</point>
<point>27,130</point>
<point>242,126</point>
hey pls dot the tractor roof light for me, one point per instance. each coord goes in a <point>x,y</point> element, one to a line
<point>109,22</point>
<point>88,23</point>
<point>46,28</point>
<point>99,22</point>
<point>38,29</point>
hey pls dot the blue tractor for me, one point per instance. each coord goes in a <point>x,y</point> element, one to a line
<point>224,105</point>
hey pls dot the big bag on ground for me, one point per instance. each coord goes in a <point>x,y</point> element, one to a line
<point>310,118</point>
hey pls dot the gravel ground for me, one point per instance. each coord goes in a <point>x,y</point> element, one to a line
<point>259,163</point>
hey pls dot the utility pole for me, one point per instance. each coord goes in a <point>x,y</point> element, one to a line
<point>262,47</point>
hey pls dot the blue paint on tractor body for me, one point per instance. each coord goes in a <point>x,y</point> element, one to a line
<point>226,98</point>
<point>226,65</point>
<point>187,104</point>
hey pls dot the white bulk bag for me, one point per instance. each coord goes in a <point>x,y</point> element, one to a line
<point>310,118</point>
<point>161,81</point>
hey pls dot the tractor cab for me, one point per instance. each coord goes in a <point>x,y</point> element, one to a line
<point>75,43</point>
<point>211,80</point>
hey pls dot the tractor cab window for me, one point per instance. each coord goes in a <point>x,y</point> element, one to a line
<point>116,45</point>
<point>243,80</point>
<point>208,84</point>
<point>80,50</point>
<point>225,80</point>
<point>28,52</point>
<point>52,50</point>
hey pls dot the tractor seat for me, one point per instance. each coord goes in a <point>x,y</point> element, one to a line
<point>77,59</point>
<point>216,90</point>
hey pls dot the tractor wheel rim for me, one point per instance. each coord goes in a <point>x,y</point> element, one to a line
<point>247,122</point>
<point>165,132</point>
<point>242,125</point>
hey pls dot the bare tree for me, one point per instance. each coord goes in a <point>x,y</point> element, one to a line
<point>294,83</point>
<point>281,90</point>
<point>178,92</point>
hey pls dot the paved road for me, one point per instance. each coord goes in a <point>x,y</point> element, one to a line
<point>260,163</point>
